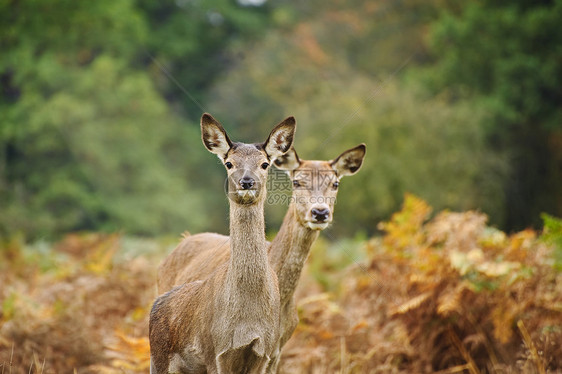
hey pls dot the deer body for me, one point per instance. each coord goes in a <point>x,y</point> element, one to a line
<point>244,310</point>
<point>203,253</point>
<point>197,256</point>
<point>229,321</point>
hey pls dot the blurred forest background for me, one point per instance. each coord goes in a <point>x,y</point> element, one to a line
<point>100,105</point>
<point>102,167</point>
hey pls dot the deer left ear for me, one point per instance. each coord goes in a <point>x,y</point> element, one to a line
<point>281,138</point>
<point>350,161</point>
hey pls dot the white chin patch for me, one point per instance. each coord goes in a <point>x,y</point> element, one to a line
<point>317,226</point>
<point>247,194</point>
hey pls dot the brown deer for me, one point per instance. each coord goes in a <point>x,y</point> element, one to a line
<point>229,321</point>
<point>315,186</point>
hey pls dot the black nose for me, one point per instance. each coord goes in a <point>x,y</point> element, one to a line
<point>320,215</point>
<point>246,183</point>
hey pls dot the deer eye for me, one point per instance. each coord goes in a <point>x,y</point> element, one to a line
<point>296,183</point>
<point>264,165</point>
<point>228,165</point>
<point>335,185</point>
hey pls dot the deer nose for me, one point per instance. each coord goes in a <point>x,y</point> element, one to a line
<point>320,215</point>
<point>246,183</point>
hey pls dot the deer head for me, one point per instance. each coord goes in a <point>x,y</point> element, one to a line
<point>315,183</point>
<point>247,164</point>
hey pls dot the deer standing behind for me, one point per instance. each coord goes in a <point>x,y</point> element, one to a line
<point>315,186</point>
<point>229,321</point>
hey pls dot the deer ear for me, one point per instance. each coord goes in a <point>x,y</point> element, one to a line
<point>214,137</point>
<point>281,138</point>
<point>350,161</point>
<point>289,161</point>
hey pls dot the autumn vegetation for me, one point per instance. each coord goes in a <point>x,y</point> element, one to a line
<point>437,292</point>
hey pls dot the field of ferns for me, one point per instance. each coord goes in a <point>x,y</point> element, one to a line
<point>435,292</point>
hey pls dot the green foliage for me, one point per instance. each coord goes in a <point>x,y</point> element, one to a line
<point>189,38</point>
<point>504,51</point>
<point>328,259</point>
<point>94,97</point>
<point>86,141</point>
<point>415,143</point>
<point>552,234</point>
<point>505,57</point>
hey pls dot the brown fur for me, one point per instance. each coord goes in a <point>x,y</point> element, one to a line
<point>197,256</point>
<point>229,321</point>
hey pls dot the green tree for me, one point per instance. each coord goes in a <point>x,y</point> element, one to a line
<point>506,56</point>
<point>86,142</point>
<point>190,40</point>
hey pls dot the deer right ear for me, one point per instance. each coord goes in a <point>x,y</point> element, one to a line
<point>289,161</point>
<point>214,137</point>
<point>349,162</point>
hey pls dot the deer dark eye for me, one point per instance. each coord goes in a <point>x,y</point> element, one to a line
<point>264,165</point>
<point>296,183</point>
<point>228,165</point>
<point>335,185</point>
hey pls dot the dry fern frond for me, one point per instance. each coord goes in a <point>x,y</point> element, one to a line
<point>412,304</point>
<point>471,365</point>
<point>323,298</point>
<point>531,346</point>
<point>454,369</point>
<point>451,301</point>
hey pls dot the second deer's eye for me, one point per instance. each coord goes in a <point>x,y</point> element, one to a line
<point>228,165</point>
<point>296,183</point>
<point>335,185</point>
<point>264,165</point>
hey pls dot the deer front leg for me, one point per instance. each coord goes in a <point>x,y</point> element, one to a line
<point>272,367</point>
<point>152,368</point>
<point>289,322</point>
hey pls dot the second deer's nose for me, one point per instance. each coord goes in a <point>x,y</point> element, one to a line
<point>246,183</point>
<point>320,215</point>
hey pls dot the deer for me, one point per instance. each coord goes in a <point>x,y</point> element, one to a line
<point>315,186</point>
<point>227,322</point>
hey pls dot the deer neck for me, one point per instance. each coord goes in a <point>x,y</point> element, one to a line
<point>248,264</point>
<point>289,251</point>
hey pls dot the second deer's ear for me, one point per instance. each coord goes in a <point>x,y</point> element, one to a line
<point>289,161</point>
<point>350,161</point>
<point>214,137</point>
<point>281,138</point>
